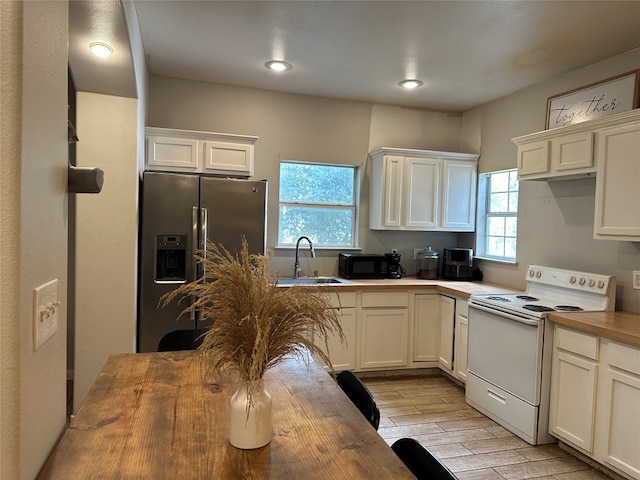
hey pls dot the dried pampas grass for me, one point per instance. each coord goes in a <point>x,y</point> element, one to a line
<point>255,323</point>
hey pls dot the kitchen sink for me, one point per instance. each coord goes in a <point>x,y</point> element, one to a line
<point>311,281</point>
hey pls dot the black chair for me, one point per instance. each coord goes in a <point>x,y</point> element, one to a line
<point>420,461</point>
<point>360,396</point>
<point>181,340</point>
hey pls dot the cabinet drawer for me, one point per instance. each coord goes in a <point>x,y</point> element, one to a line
<point>385,299</point>
<point>342,299</point>
<point>576,342</point>
<point>624,357</point>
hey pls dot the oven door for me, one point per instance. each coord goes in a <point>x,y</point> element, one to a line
<point>506,350</point>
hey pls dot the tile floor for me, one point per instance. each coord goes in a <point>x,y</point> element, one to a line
<point>433,411</point>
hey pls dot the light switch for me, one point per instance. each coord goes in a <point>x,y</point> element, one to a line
<point>45,312</point>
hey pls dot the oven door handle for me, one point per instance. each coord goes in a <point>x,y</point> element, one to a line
<point>510,316</point>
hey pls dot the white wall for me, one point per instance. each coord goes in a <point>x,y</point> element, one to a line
<point>301,127</point>
<point>555,219</point>
<point>33,229</point>
<point>106,236</point>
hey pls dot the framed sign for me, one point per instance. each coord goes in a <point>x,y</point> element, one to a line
<point>613,95</point>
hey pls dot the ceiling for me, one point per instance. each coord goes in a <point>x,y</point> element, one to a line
<point>467,53</point>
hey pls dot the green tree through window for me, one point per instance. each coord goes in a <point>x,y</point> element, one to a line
<point>318,201</point>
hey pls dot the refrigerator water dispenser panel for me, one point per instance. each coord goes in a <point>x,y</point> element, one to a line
<point>171,258</point>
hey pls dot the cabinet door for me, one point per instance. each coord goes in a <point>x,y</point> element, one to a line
<point>573,399</point>
<point>426,327</point>
<point>228,158</point>
<point>392,197</point>
<point>172,154</point>
<point>617,216</point>
<point>343,357</point>
<point>620,404</point>
<point>445,350</point>
<point>421,193</point>
<point>572,152</point>
<point>460,350</point>
<point>459,196</point>
<point>533,159</point>
<point>384,337</point>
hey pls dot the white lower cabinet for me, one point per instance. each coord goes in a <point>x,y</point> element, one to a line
<point>384,337</point>
<point>619,398</point>
<point>426,327</point>
<point>447,320</point>
<point>573,399</point>
<point>398,329</point>
<point>595,399</point>
<point>461,337</point>
<point>343,355</point>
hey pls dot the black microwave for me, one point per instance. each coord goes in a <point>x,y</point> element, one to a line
<point>362,266</point>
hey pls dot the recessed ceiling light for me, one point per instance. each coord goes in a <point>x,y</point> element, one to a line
<point>277,65</point>
<point>101,49</point>
<point>410,84</point>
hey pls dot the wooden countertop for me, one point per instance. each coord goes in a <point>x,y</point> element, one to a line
<point>165,415</point>
<point>620,326</point>
<point>448,287</point>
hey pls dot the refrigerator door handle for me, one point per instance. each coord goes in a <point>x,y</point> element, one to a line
<point>204,220</point>
<point>194,248</point>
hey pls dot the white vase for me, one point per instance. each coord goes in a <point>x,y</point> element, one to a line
<point>252,428</point>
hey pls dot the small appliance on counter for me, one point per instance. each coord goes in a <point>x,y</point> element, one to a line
<point>457,264</point>
<point>394,268</point>
<point>427,264</point>
<point>362,266</point>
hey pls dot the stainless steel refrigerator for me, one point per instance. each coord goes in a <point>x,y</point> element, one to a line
<point>178,212</point>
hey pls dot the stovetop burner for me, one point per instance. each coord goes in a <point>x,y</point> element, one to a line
<point>537,308</point>
<point>527,298</point>
<point>568,308</point>
<point>498,299</point>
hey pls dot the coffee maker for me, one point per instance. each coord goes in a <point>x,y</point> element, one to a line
<point>394,269</point>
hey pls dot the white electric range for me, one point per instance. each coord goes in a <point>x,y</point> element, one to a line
<point>509,354</point>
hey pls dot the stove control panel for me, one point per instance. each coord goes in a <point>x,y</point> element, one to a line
<point>590,282</point>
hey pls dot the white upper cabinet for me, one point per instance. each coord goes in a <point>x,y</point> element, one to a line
<point>553,155</point>
<point>172,150</point>
<point>568,152</point>
<point>459,182</point>
<point>617,216</point>
<point>422,190</point>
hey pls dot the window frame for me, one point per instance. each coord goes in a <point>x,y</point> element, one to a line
<point>484,214</point>
<point>354,207</point>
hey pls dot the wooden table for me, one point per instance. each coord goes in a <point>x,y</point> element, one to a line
<point>166,416</point>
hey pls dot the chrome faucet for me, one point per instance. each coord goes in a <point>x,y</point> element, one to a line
<point>296,267</point>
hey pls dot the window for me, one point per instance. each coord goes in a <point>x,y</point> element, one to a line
<point>498,215</point>
<point>318,201</point>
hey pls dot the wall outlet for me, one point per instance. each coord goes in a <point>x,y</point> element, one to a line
<point>45,312</point>
<point>415,252</point>
<point>636,279</point>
